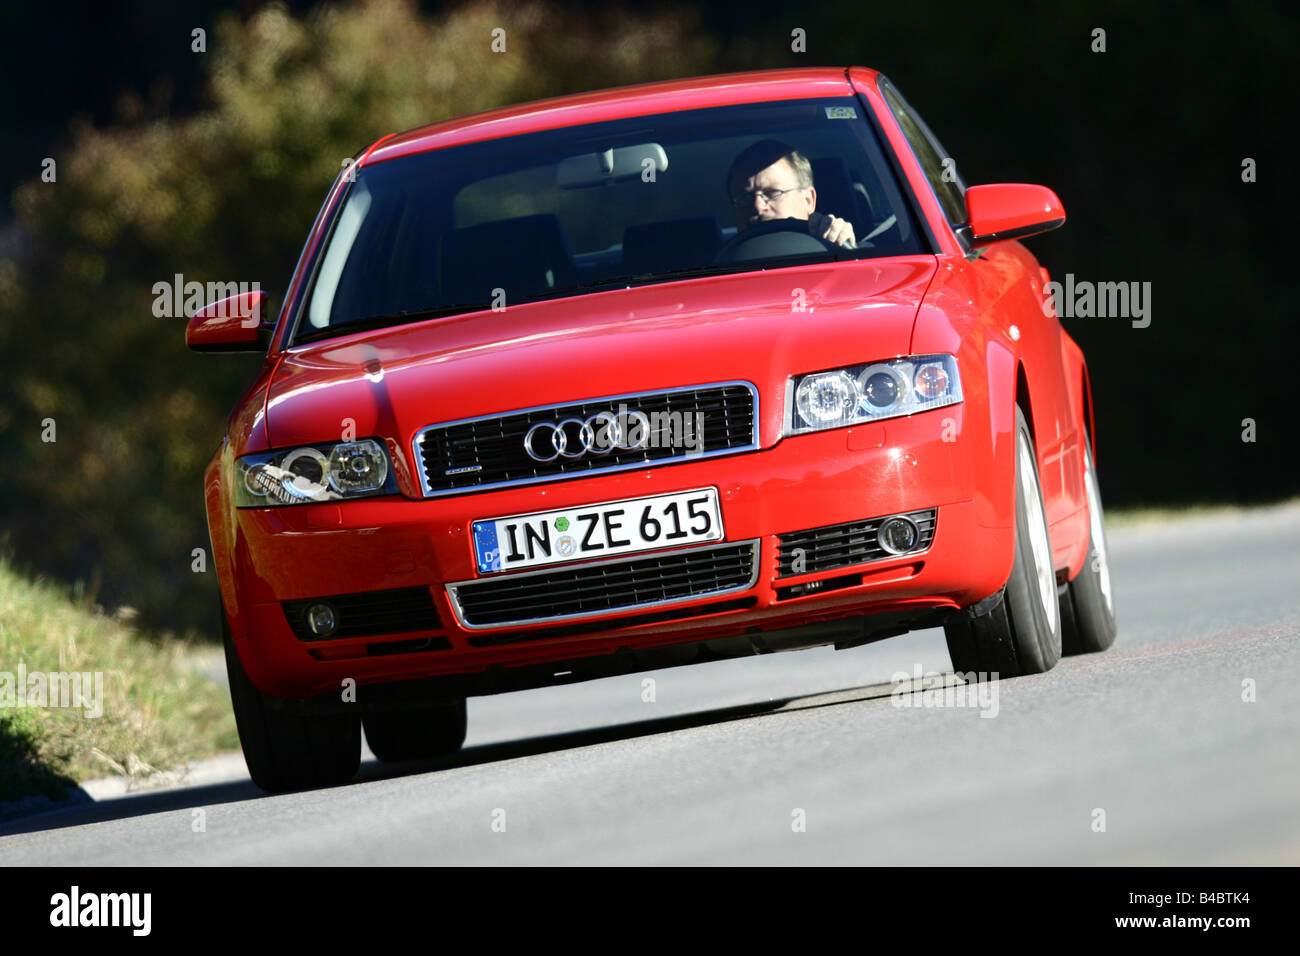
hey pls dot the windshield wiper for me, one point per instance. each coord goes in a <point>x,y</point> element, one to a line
<point>393,318</point>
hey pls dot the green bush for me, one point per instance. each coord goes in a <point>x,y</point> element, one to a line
<point>227,195</point>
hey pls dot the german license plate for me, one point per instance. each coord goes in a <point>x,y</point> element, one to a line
<point>598,531</point>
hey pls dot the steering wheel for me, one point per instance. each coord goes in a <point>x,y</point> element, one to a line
<point>770,239</point>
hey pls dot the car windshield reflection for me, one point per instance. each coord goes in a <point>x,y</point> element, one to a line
<point>603,206</point>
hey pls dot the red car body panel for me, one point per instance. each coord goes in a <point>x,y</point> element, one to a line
<point>396,381</point>
<point>390,383</point>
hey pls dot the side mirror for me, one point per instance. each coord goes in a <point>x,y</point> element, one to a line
<point>1011,211</point>
<point>235,324</point>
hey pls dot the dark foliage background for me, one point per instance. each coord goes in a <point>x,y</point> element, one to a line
<point>213,165</point>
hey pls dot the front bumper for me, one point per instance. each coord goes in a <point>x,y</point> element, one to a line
<point>926,461</point>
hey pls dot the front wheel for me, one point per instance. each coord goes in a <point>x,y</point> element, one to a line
<point>289,750</point>
<point>1019,632</point>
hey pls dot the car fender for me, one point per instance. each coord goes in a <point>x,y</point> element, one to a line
<point>1079,389</point>
<point>245,434</point>
<point>947,321</point>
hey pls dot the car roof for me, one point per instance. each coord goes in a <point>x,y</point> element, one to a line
<point>599,105</point>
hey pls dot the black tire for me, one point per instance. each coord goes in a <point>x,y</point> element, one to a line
<point>415,732</point>
<point>1019,631</point>
<point>288,750</point>
<point>1088,604</point>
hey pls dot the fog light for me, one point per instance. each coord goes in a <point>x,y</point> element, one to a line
<point>322,620</point>
<point>898,534</point>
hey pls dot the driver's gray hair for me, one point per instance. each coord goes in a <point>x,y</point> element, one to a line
<point>757,157</point>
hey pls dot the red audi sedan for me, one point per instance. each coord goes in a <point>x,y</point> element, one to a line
<point>638,378</point>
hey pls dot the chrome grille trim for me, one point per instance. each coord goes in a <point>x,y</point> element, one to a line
<point>421,468</point>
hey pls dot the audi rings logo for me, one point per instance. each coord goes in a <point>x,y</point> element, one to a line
<point>600,434</point>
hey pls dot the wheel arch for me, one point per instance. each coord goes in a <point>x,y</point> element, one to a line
<point>1023,400</point>
<point>1089,421</point>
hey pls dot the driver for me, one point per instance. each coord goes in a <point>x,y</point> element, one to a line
<point>771,180</point>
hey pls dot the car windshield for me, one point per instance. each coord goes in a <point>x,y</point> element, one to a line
<point>586,208</point>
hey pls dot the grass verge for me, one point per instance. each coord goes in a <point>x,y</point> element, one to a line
<point>158,711</point>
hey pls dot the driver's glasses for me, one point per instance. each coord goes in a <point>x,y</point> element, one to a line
<point>769,196</point>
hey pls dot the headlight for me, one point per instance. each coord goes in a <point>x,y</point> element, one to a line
<point>313,473</point>
<point>865,393</point>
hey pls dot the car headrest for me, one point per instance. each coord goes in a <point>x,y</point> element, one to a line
<point>524,256</point>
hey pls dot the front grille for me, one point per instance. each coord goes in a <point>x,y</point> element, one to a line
<point>489,452</point>
<point>842,545</point>
<point>605,587</point>
<point>367,613</point>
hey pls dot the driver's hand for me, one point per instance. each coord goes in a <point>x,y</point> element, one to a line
<point>832,228</point>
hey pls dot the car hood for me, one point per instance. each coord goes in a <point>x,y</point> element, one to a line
<point>758,327</point>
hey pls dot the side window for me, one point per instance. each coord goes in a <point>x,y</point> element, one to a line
<point>939,167</point>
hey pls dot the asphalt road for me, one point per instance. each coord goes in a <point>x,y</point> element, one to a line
<point>804,757</point>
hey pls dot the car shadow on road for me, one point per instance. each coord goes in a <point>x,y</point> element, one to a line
<point>553,743</point>
<point>208,795</point>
